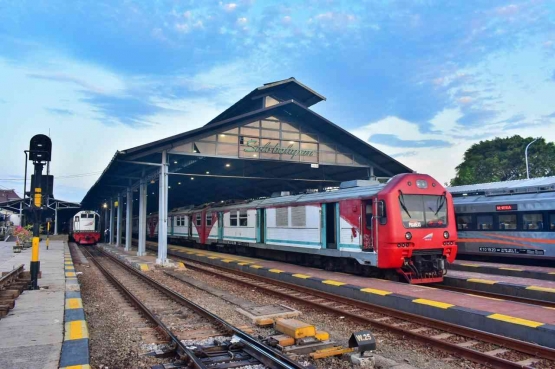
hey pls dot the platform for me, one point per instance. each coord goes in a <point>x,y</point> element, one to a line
<point>31,335</point>
<point>529,288</point>
<point>522,271</point>
<point>516,320</point>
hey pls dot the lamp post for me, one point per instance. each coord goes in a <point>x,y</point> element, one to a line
<point>526,156</point>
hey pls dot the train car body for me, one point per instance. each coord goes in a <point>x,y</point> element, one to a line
<point>512,219</point>
<point>402,228</point>
<point>84,228</point>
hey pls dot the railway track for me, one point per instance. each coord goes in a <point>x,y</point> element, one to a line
<point>12,284</point>
<point>201,339</point>
<point>523,300</point>
<point>480,347</point>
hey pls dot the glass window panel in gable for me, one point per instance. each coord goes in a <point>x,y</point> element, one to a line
<point>226,149</point>
<point>250,131</point>
<point>232,131</point>
<point>326,157</point>
<point>253,124</point>
<point>344,158</point>
<point>271,124</point>
<point>188,147</point>
<point>326,147</point>
<point>288,127</point>
<point>227,138</point>
<point>310,159</point>
<point>267,149</point>
<point>210,138</point>
<point>207,148</point>
<point>310,137</point>
<point>309,146</point>
<point>289,151</point>
<point>269,133</point>
<point>248,147</point>
<point>289,136</point>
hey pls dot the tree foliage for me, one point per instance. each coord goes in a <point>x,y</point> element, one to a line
<point>502,159</point>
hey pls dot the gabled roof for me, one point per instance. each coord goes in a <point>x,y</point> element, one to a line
<point>287,89</point>
<point>8,195</point>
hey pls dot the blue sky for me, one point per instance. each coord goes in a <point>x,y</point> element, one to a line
<point>420,80</point>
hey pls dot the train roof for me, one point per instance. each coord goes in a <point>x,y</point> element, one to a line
<point>520,186</point>
<point>512,199</point>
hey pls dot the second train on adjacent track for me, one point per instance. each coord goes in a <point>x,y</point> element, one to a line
<point>404,228</point>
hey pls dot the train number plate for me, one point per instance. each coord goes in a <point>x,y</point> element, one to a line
<point>502,250</point>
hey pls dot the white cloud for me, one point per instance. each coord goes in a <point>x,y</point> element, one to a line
<point>230,7</point>
<point>242,21</point>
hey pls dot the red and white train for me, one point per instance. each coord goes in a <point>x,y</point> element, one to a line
<point>84,229</point>
<point>402,229</point>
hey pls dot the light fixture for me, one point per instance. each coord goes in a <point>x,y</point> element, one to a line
<point>195,151</point>
<point>192,178</point>
<point>152,181</point>
<point>291,142</point>
<point>105,205</point>
<point>222,135</point>
<point>178,183</point>
<point>153,193</point>
<point>228,165</point>
<point>175,161</point>
<point>254,155</point>
<point>169,186</point>
<point>222,201</point>
<point>207,172</point>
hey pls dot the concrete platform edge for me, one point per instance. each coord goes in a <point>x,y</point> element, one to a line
<point>517,271</point>
<point>75,348</point>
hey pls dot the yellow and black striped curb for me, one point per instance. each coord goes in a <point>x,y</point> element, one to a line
<point>75,348</point>
<point>502,288</point>
<point>511,326</point>
<point>511,271</point>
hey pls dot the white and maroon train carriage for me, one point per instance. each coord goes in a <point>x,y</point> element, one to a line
<point>84,228</point>
<point>405,227</point>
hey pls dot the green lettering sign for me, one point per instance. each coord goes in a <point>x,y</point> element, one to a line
<point>254,146</point>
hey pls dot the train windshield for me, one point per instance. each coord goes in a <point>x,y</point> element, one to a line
<point>423,211</point>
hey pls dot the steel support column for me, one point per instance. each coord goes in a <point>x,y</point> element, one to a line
<point>56,220</point>
<point>163,212</point>
<point>141,251</point>
<point>118,225</point>
<point>112,215</point>
<point>128,219</point>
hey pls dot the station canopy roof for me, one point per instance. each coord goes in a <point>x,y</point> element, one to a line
<point>267,142</point>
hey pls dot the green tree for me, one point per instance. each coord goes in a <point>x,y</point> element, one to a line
<point>502,159</point>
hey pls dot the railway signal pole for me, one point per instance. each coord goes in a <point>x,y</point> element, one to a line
<point>40,149</point>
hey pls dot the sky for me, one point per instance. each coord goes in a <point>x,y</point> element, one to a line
<point>420,80</point>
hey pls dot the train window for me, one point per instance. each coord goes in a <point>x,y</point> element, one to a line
<point>298,216</point>
<point>282,217</point>
<point>243,218</point>
<point>368,214</point>
<point>209,219</point>
<point>507,222</point>
<point>464,222</point>
<point>83,216</point>
<point>423,211</point>
<point>485,222</point>
<point>233,219</point>
<point>552,222</point>
<point>199,220</point>
<point>91,216</point>
<point>532,222</point>
<point>77,219</point>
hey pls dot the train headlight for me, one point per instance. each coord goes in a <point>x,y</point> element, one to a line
<point>445,234</point>
<point>408,235</point>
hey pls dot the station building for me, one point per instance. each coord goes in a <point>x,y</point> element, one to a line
<point>269,141</point>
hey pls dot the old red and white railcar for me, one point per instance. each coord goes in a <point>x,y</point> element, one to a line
<point>84,229</point>
<point>405,228</point>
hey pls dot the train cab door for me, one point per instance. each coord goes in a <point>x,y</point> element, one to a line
<point>367,238</point>
<point>220,216</point>
<point>190,228</point>
<point>260,225</point>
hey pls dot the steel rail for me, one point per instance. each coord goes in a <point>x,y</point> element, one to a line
<point>261,352</point>
<point>10,276</point>
<point>524,300</point>
<point>162,327</point>
<point>468,353</point>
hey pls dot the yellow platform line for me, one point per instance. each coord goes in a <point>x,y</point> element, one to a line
<point>228,260</point>
<point>76,330</point>
<point>302,276</point>
<point>213,257</point>
<point>74,303</point>
<point>256,266</point>
<point>514,269</point>
<point>441,305</point>
<point>514,320</point>
<point>69,267</point>
<point>84,366</point>
<point>70,274</point>
<point>333,283</point>
<point>472,265</point>
<point>275,271</point>
<point>542,289</point>
<point>375,291</point>
<point>244,263</point>
<point>551,273</point>
<point>478,280</point>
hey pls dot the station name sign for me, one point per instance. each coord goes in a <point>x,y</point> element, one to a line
<point>254,146</point>
<point>507,207</point>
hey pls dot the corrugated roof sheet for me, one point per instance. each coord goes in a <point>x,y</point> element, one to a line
<point>508,186</point>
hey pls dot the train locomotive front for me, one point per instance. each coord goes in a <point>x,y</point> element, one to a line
<point>85,228</point>
<point>414,228</point>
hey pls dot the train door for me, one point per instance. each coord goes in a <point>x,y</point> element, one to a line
<point>331,224</point>
<point>367,226</point>
<point>190,228</point>
<point>220,216</point>
<point>260,225</point>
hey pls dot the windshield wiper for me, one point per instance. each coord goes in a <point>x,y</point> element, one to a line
<point>402,202</point>
<point>443,201</point>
